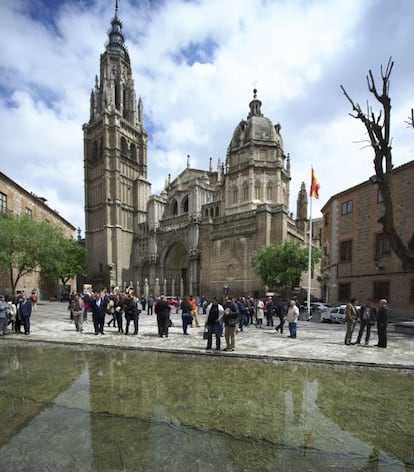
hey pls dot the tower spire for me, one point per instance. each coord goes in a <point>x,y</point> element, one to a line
<point>116,41</point>
<point>255,106</point>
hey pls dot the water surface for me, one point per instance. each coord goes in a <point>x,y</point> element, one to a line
<point>96,409</point>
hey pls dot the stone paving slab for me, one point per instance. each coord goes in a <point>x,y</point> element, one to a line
<point>316,342</point>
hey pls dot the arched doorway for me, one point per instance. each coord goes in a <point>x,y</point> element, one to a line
<point>175,268</point>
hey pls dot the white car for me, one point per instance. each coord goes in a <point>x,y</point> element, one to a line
<point>320,306</point>
<point>337,313</point>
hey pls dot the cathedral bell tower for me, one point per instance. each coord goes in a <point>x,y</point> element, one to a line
<point>115,167</point>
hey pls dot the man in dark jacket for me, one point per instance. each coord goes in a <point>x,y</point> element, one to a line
<point>162,310</point>
<point>131,313</point>
<point>25,310</point>
<point>367,314</point>
<point>382,322</point>
<point>99,306</point>
<point>281,312</point>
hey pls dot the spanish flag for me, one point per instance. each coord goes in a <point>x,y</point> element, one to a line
<point>314,187</point>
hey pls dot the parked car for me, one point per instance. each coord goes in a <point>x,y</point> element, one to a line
<point>320,306</point>
<point>326,315</point>
<point>337,314</point>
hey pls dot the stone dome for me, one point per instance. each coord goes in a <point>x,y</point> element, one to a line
<point>256,128</point>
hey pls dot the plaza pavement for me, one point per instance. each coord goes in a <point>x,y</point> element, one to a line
<point>316,342</point>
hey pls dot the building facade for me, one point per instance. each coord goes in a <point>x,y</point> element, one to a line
<point>199,234</point>
<point>358,258</point>
<point>15,199</point>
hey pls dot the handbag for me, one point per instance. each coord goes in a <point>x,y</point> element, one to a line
<point>205,335</point>
<point>232,322</point>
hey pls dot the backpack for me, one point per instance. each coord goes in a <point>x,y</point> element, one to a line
<point>213,315</point>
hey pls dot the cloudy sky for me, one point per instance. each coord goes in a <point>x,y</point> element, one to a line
<point>195,65</point>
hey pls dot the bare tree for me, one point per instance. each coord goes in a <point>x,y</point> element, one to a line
<point>378,128</point>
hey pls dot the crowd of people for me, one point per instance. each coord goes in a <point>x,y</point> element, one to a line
<point>367,315</point>
<point>224,317</point>
<point>16,311</point>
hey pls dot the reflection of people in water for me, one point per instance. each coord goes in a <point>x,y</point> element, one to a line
<point>373,462</point>
<point>309,439</point>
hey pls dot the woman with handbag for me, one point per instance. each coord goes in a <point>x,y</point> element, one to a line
<point>231,316</point>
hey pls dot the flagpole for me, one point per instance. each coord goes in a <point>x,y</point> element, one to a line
<point>310,258</point>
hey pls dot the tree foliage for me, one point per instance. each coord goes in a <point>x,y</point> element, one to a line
<point>378,128</point>
<point>65,260</point>
<point>27,245</point>
<point>281,265</point>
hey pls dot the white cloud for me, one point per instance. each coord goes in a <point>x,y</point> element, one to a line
<point>296,53</point>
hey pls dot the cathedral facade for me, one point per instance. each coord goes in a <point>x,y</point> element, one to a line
<point>199,234</point>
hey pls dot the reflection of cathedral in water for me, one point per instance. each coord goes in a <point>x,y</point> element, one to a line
<point>118,412</point>
<point>199,234</point>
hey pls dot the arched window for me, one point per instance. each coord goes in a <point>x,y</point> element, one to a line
<point>124,103</point>
<point>245,192</point>
<point>269,192</point>
<point>185,204</point>
<point>174,207</point>
<point>235,195</point>
<point>124,147</point>
<point>217,211</point>
<point>257,191</point>
<point>93,150</point>
<point>116,93</point>
<point>133,151</point>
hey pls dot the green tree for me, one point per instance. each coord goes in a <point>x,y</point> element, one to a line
<point>65,259</point>
<point>281,265</point>
<point>27,246</point>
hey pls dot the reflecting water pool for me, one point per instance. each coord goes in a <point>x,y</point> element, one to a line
<point>93,409</point>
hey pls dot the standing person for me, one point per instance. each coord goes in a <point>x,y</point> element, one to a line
<point>86,306</point>
<point>269,309</point>
<point>131,313</point>
<point>70,299</point>
<point>368,313</point>
<point>18,322</point>
<point>193,313</point>
<point>350,319</point>
<point>34,299</point>
<point>281,312</point>
<point>77,310</point>
<point>4,310</point>
<point>250,310</point>
<point>186,309</point>
<point>99,305</point>
<point>230,321</point>
<point>12,311</point>
<point>143,303</point>
<point>119,311</point>
<point>214,313</point>
<point>25,311</point>
<point>150,304</point>
<point>162,310</point>
<point>243,318</point>
<point>259,313</point>
<point>382,322</point>
<point>111,311</point>
<point>292,318</point>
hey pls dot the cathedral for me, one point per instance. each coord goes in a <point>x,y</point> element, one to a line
<point>196,237</point>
